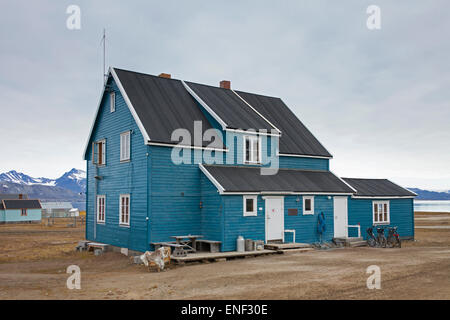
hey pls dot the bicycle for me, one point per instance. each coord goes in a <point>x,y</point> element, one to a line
<point>371,239</point>
<point>393,239</point>
<point>381,239</point>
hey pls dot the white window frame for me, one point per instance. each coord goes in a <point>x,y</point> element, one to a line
<point>99,216</point>
<point>103,155</point>
<point>388,213</point>
<point>309,212</point>
<point>125,146</point>
<point>121,208</point>
<point>112,101</point>
<point>255,206</point>
<point>252,140</point>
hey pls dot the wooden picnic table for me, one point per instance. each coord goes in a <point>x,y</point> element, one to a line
<point>188,239</point>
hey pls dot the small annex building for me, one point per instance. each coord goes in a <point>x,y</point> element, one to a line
<point>17,208</point>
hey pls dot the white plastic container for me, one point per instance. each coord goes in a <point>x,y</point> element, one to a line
<point>240,244</point>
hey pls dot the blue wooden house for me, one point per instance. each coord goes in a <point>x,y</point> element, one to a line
<point>167,157</point>
<point>17,208</point>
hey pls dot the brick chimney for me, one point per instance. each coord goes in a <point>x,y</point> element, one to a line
<point>20,196</point>
<point>225,84</point>
<point>165,75</point>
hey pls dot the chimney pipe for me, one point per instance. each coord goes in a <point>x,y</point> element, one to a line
<point>225,84</point>
<point>20,196</point>
<point>165,75</point>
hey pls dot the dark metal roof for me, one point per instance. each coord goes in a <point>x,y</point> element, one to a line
<point>249,179</point>
<point>162,105</point>
<point>377,187</point>
<point>295,138</point>
<point>229,107</point>
<point>21,204</point>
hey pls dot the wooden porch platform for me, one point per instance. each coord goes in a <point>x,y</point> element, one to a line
<point>214,256</point>
<point>286,246</point>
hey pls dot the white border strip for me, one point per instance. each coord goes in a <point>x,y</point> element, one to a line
<point>256,111</point>
<point>161,144</point>
<point>203,103</point>
<point>211,178</point>
<point>258,133</point>
<point>303,156</point>
<point>383,197</point>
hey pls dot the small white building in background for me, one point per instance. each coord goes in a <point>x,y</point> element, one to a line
<point>74,212</point>
<point>57,209</point>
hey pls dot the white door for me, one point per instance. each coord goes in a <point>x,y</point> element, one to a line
<point>274,218</point>
<point>340,217</point>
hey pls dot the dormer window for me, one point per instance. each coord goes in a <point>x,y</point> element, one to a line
<point>112,101</point>
<point>252,150</point>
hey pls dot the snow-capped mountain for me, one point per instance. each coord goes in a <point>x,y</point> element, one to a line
<point>74,180</point>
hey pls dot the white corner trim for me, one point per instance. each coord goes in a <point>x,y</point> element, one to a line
<point>256,111</point>
<point>303,156</point>
<point>204,105</point>
<point>130,105</point>
<point>348,185</point>
<point>211,178</point>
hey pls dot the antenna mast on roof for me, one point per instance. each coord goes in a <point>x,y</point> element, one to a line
<point>105,76</point>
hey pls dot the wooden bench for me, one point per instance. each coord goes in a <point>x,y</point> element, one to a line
<point>178,249</point>
<point>213,246</point>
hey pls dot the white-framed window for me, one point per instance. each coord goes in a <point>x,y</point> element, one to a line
<point>250,205</point>
<point>252,150</point>
<point>101,208</point>
<point>112,101</point>
<point>380,212</point>
<point>125,139</point>
<point>124,209</point>
<point>23,212</point>
<point>308,204</point>
<point>99,154</point>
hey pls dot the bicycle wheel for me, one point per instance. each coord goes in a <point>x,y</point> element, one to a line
<point>399,243</point>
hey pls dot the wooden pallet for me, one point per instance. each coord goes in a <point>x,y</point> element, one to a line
<point>219,256</point>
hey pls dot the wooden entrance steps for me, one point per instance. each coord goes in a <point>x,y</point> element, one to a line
<point>288,247</point>
<point>350,242</point>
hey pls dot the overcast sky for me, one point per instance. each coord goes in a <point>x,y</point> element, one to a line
<point>378,100</point>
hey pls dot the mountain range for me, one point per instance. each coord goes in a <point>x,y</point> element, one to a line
<point>430,195</point>
<point>71,186</point>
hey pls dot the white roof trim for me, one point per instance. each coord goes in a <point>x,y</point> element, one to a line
<point>402,187</point>
<point>303,156</point>
<point>288,193</point>
<point>348,185</point>
<point>257,112</point>
<point>382,197</point>
<point>162,144</point>
<point>130,106</point>
<point>253,132</point>
<point>112,72</point>
<point>204,105</point>
<point>211,178</point>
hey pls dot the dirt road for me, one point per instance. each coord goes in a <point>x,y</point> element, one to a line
<point>419,270</point>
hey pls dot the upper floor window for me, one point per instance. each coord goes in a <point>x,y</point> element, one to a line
<point>308,205</point>
<point>101,204</point>
<point>112,101</point>
<point>250,205</point>
<point>23,212</point>
<point>125,146</point>
<point>124,214</point>
<point>381,212</point>
<point>252,150</point>
<point>99,154</point>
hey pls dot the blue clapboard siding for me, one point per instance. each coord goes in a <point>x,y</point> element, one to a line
<point>401,215</point>
<point>16,215</point>
<point>118,178</point>
<point>212,213</point>
<point>175,195</point>
<point>304,163</point>
<point>306,225</point>
<point>235,224</point>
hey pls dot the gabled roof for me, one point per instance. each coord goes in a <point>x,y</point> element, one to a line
<point>21,204</point>
<point>160,106</point>
<point>234,112</point>
<point>296,138</point>
<point>377,188</point>
<point>231,179</point>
